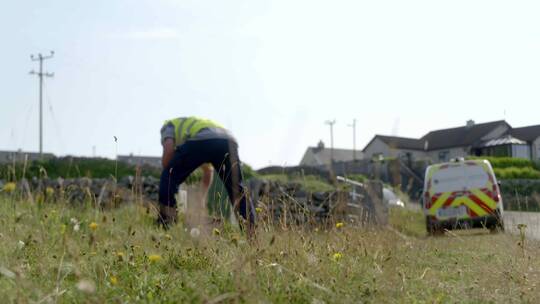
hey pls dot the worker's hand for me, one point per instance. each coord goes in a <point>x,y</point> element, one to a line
<point>168,152</point>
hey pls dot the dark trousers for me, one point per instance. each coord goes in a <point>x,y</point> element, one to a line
<point>223,155</point>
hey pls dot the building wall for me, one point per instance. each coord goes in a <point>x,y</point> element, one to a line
<point>378,147</point>
<point>521,151</point>
<point>451,153</point>
<point>20,156</point>
<point>308,159</point>
<point>415,154</point>
<point>536,149</point>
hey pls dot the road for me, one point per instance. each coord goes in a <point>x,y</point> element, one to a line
<point>532,219</point>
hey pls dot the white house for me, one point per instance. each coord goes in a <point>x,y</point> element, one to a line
<point>320,155</point>
<point>496,138</point>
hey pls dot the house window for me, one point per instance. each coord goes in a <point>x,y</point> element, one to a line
<point>443,156</point>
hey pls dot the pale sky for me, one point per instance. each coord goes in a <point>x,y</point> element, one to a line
<point>270,71</point>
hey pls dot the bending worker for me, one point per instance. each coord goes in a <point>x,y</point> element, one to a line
<point>189,143</point>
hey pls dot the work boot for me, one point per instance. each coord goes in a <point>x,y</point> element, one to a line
<point>167,216</point>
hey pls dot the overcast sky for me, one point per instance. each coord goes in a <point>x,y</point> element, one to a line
<point>270,71</point>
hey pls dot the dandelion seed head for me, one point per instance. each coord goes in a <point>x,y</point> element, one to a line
<point>195,232</point>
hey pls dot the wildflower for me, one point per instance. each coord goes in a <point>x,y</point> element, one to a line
<point>86,286</point>
<point>258,209</point>
<point>195,232</point>
<point>168,237</point>
<point>216,231</point>
<point>339,225</point>
<point>120,255</point>
<point>76,227</point>
<point>114,280</point>
<point>337,256</point>
<point>10,187</point>
<point>93,225</point>
<point>21,244</point>
<point>49,191</point>
<point>154,258</point>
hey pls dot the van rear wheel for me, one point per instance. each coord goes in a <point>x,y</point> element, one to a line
<point>433,228</point>
<point>498,226</point>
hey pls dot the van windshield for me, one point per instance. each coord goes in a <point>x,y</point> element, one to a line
<point>459,178</point>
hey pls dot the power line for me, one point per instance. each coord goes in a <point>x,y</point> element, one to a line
<point>55,121</point>
<point>40,74</point>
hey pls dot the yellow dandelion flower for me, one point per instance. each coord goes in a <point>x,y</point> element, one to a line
<point>216,231</point>
<point>258,209</point>
<point>114,280</point>
<point>10,187</point>
<point>337,256</point>
<point>93,225</point>
<point>63,229</point>
<point>120,255</point>
<point>339,225</point>
<point>49,191</point>
<point>154,258</point>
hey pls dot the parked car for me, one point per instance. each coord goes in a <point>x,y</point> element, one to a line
<point>462,194</point>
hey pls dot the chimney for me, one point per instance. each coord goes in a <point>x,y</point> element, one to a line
<point>470,123</point>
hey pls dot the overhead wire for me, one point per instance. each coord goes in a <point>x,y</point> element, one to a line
<point>59,139</point>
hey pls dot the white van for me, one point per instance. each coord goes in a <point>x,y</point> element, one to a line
<point>462,194</point>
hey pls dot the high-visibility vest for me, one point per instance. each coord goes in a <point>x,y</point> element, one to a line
<point>187,127</point>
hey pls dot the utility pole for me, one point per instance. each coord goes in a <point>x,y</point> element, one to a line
<point>40,74</point>
<point>354,138</point>
<point>331,124</point>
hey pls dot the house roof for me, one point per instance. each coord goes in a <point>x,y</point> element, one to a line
<point>401,142</point>
<point>323,155</point>
<point>460,136</point>
<point>504,140</point>
<point>530,133</point>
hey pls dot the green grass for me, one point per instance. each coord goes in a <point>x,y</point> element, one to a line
<point>43,259</point>
<point>309,183</point>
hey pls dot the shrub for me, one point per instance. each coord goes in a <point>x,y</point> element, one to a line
<point>507,162</point>
<point>516,173</point>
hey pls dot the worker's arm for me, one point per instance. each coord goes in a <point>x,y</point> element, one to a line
<point>168,152</point>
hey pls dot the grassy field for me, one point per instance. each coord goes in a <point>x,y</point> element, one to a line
<point>55,253</point>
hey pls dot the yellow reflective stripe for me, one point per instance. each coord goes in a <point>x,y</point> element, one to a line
<point>439,202</point>
<point>484,198</point>
<point>457,201</point>
<point>189,127</point>
<point>473,206</point>
<point>183,127</point>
